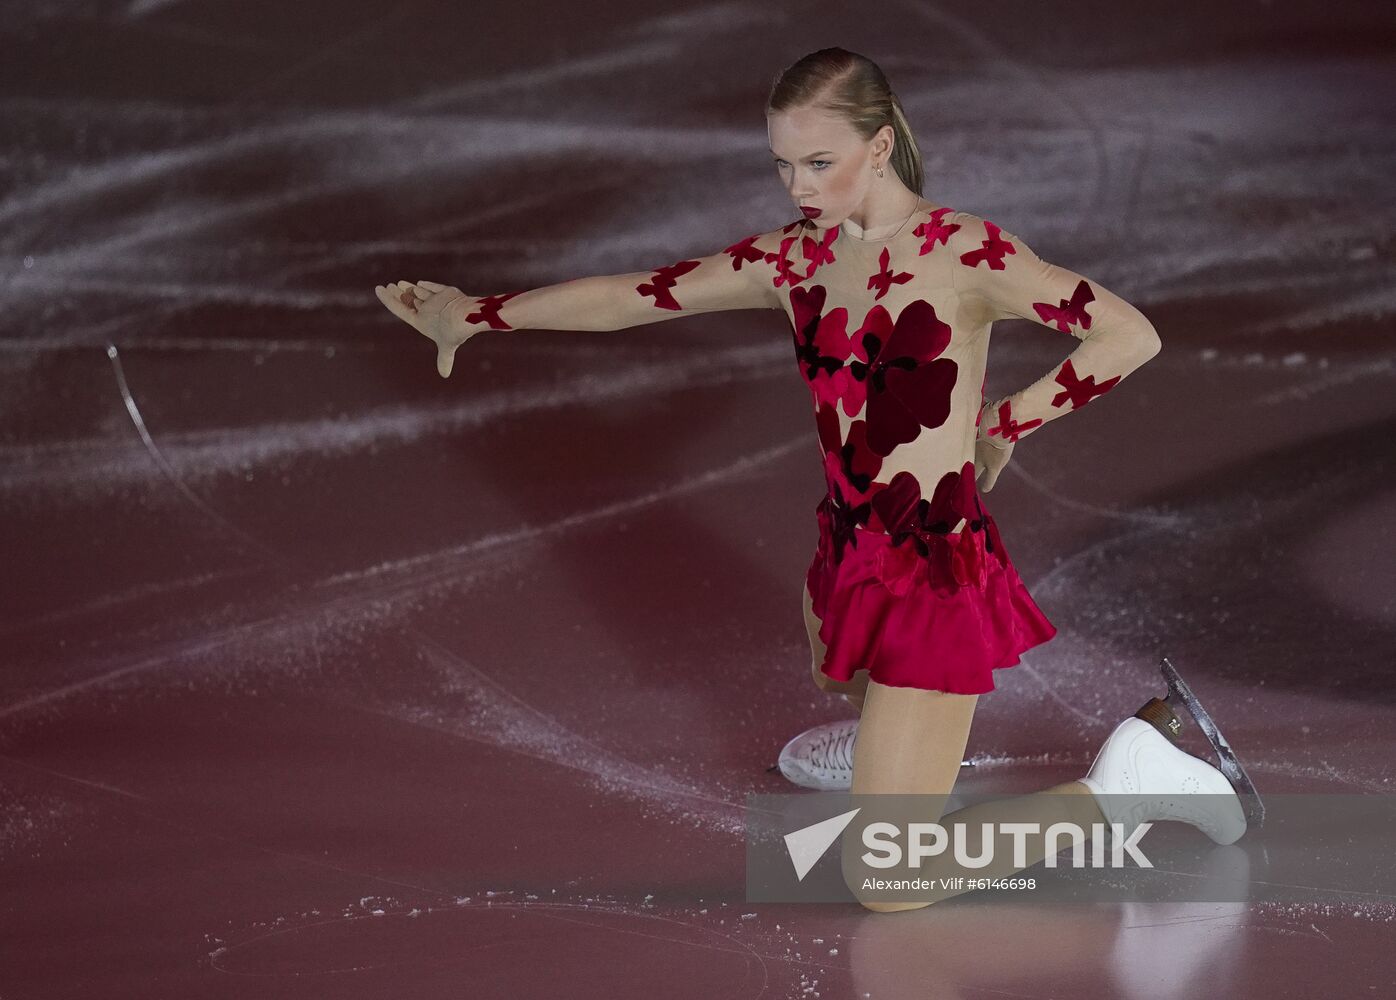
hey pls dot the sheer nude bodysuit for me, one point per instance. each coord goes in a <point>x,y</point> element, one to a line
<point>892,337</point>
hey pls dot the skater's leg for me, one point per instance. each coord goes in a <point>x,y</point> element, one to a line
<point>911,742</point>
<point>853,691</point>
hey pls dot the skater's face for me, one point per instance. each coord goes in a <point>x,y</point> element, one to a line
<point>823,163</point>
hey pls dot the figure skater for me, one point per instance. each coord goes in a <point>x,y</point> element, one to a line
<point>911,600</point>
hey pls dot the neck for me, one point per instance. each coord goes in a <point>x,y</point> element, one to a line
<point>882,213</point>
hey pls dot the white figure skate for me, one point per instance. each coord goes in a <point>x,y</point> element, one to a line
<point>822,757</point>
<point>1140,774</point>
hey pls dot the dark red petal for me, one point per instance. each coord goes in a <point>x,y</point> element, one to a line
<point>924,392</point>
<point>918,334</point>
<point>889,423</point>
<point>805,306</point>
<point>877,322</point>
<point>895,505</point>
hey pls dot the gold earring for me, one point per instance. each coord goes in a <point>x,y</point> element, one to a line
<point>878,169</point>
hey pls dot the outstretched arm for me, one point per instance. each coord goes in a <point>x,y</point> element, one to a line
<point>1009,280</point>
<point>738,277</point>
<point>745,275</point>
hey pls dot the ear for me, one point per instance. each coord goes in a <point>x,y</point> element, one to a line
<point>885,140</point>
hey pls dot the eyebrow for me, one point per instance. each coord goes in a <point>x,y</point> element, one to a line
<point>820,152</point>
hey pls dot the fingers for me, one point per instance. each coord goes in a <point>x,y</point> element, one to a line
<point>988,478</point>
<point>408,294</point>
<point>402,297</point>
<point>391,296</point>
<point>990,458</point>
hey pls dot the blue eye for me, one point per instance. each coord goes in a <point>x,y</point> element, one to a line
<point>826,163</point>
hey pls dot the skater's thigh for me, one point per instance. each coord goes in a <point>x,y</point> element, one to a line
<point>911,741</point>
<point>817,652</point>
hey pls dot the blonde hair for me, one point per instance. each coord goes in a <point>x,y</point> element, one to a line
<point>854,87</point>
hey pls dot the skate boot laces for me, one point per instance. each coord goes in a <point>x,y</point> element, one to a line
<point>834,751</point>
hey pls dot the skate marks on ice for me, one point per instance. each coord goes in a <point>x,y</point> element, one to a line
<point>398,583</point>
<point>1199,159</point>
<point>1341,375</point>
<point>465,702</point>
<point>1268,585</point>
<point>315,941</point>
<point>86,466</point>
<point>613,943</point>
<point>1083,683</point>
<point>358,152</point>
<point>1237,590</point>
<point>1035,86</point>
<point>633,46</point>
<point>329,610</point>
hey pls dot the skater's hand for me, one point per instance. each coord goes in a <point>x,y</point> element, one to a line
<point>434,310</point>
<point>990,456</point>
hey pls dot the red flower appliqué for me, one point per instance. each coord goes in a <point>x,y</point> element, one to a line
<point>899,374</point>
<point>991,251</point>
<point>821,343</point>
<point>817,252</point>
<point>934,231</point>
<point>1079,391</point>
<point>884,279</point>
<point>488,311</point>
<point>663,280</point>
<point>1008,428</point>
<point>909,517</point>
<point>1068,312</point>
<point>849,471</point>
<point>843,516</point>
<point>745,252</point>
<point>849,464</point>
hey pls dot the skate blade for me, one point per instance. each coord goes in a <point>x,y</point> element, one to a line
<point>1179,694</point>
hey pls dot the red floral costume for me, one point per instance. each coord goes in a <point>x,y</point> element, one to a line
<point>910,579</point>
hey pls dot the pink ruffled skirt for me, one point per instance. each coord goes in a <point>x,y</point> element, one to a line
<point>942,621</point>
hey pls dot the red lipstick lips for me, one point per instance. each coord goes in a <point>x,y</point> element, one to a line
<point>810,213</point>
